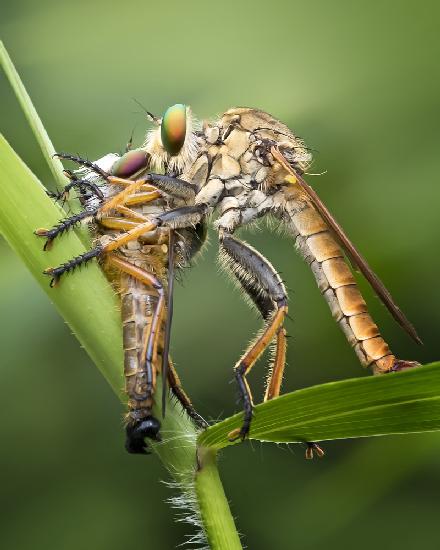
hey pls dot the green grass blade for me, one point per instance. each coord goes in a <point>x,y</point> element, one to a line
<point>32,116</point>
<point>80,299</point>
<point>396,403</point>
<point>85,300</point>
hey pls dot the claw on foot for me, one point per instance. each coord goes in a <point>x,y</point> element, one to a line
<point>401,365</point>
<point>313,448</point>
<point>236,434</point>
<point>55,280</point>
<point>43,232</point>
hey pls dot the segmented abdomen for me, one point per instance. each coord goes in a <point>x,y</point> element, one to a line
<point>321,251</point>
<point>137,305</point>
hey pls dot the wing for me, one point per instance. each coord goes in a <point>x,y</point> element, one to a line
<point>354,256</point>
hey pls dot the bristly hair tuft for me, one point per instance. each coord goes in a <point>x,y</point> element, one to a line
<point>187,155</point>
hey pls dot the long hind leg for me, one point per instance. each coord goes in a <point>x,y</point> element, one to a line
<point>266,307</point>
<point>259,278</point>
<point>262,284</point>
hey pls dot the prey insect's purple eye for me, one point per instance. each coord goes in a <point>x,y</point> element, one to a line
<point>173,129</point>
<point>130,163</point>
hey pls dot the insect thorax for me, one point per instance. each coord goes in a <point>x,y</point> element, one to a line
<point>233,169</point>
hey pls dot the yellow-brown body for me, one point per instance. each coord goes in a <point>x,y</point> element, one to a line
<point>335,280</point>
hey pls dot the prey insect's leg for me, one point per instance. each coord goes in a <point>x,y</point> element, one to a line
<point>121,197</point>
<point>179,217</point>
<point>69,223</point>
<point>64,225</point>
<point>141,379</point>
<point>122,224</point>
<point>250,266</point>
<point>142,197</point>
<point>81,184</point>
<point>71,265</point>
<point>131,214</point>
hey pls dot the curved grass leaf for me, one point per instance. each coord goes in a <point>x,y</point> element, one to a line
<point>403,402</point>
<point>35,123</point>
<point>85,300</point>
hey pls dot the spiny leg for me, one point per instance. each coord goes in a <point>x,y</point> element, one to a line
<point>79,183</point>
<point>93,167</point>
<point>129,196</point>
<point>141,422</point>
<point>179,217</point>
<point>71,265</point>
<point>256,273</point>
<point>64,225</point>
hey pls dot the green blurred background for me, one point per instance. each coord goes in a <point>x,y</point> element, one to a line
<point>360,82</point>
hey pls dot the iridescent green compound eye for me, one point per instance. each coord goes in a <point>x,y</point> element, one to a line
<point>173,129</point>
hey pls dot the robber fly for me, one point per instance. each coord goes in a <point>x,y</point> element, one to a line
<point>244,166</point>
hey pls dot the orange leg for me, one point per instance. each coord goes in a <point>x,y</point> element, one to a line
<point>121,197</point>
<point>142,198</point>
<point>275,378</point>
<point>131,214</point>
<point>244,366</point>
<point>126,182</point>
<point>130,235</point>
<point>123,224</point>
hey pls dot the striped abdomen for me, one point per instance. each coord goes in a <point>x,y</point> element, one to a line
<point>335,280</point>
<point>138,303</point>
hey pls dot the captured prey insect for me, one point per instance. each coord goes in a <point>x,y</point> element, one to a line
<point>244,166</point>
<point>141,270</point>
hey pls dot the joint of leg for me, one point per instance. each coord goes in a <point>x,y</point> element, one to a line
<point>240,370</point>
<point>282,303</point>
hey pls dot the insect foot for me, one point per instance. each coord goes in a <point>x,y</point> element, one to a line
<point>313,448</point>
<point>400,365</point>
<point>136,434</point>
<point>238,433</point>
<point>243,432</point>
